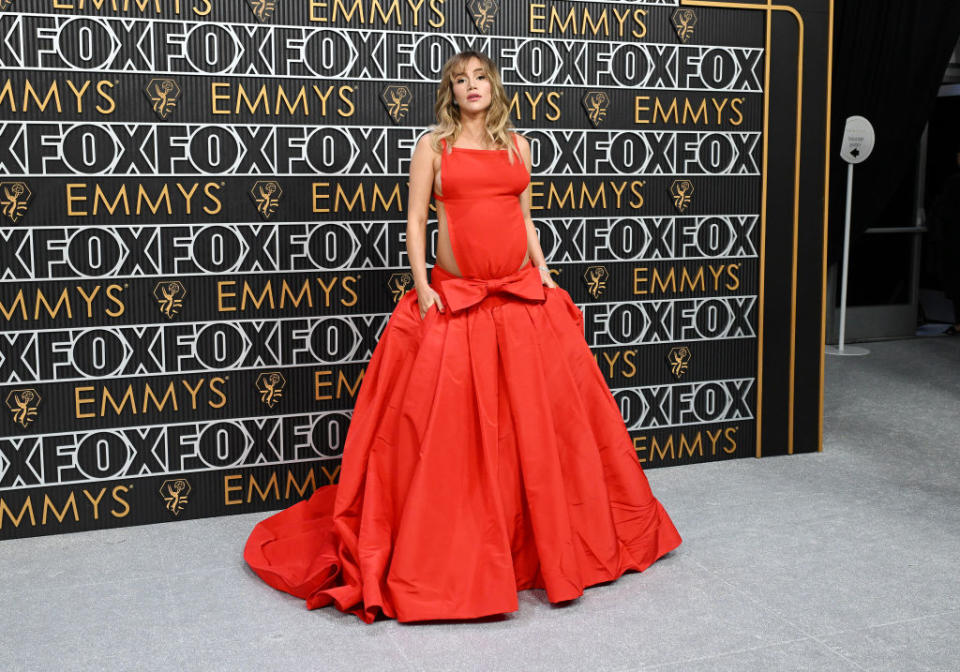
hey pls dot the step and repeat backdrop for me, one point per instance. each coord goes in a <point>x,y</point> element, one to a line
<point>203,213</point>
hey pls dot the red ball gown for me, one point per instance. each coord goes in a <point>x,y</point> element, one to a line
<point>485,455</point>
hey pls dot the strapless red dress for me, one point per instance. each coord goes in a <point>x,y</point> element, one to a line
<point>485,455</point>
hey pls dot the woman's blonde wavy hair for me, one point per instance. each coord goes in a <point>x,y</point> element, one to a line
<point>498,119</point>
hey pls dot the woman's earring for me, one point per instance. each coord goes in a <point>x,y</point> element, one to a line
<point>456,104</point>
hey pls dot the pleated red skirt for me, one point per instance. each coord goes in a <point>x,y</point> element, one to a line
<point>486,455</point>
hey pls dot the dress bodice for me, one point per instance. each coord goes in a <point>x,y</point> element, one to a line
<point>484,218</point>
<point>480,173</point>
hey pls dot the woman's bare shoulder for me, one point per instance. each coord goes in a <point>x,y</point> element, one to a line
<point>523,145</point>
<point>425,143</point>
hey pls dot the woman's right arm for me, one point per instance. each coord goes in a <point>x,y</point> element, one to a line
<point>418,200</point>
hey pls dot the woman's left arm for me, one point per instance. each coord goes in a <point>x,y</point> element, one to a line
<point>533,241</point>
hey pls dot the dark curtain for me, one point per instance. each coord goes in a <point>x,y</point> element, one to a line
<point>889,60</point>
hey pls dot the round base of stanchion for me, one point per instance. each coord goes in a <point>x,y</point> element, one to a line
<point>848,350</point>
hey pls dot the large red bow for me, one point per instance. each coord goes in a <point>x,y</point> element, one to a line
<point>462,293</point>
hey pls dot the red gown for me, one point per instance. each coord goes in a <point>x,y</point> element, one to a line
<point>485,455</point>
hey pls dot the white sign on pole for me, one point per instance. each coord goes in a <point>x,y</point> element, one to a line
<point>858,139</point>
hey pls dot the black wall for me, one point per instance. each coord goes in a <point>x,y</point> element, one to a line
<point>204,216</point>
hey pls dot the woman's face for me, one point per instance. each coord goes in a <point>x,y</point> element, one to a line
<point>471,88</point>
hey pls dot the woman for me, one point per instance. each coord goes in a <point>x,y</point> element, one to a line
<point>486,454</point>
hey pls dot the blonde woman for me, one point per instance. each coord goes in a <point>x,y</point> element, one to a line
<point>486,454</point>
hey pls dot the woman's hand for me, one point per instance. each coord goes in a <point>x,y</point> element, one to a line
<point>426,298</point>
<point>547,278</point>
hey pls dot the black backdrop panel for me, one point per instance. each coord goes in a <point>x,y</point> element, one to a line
<point>203,220</point>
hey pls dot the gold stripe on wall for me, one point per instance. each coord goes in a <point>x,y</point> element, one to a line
<point>826,229</point>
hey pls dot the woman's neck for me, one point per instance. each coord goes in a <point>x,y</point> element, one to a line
<point>474,131</point>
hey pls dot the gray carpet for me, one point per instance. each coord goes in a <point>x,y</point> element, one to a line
<point>844,560</point>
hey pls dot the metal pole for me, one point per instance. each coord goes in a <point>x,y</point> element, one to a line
<point>842,349</point>
<point>846,258</point>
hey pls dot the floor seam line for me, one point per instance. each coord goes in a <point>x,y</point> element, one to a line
<point>780,615</point>
<point>728,653</point>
